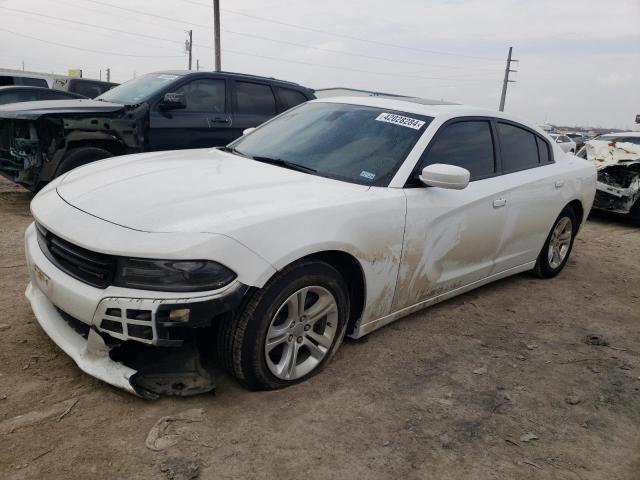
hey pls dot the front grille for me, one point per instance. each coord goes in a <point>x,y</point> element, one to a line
<point>96,269</point>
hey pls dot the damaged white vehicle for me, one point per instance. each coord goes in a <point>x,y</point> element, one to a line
<point>617,158</point>
<point>335,218</point>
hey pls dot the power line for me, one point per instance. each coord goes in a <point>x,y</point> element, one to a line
<point>354,69</point>
<point>317,30</point>
<point>92,25</point>
<point>119,54</point>
<point>284,42</point>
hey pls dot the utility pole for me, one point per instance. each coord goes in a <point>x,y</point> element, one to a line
<point>216,33</point>
<point>189,46</point>
<point>23,65</point>
<point>197,64</point>
<point>506,80</point>
<point>108,73</point>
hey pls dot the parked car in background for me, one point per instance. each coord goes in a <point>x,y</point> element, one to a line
<point>159,111</point>
<point>564,142</point>
<point>25,80</point>
<point>336,218</point>
<point>617,158</point>
<point>32,94</point>
<point>578,138</point>
<point>83,86</point>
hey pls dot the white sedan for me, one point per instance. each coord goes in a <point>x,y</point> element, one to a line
<point>335,218</point>
<point>564,142</point>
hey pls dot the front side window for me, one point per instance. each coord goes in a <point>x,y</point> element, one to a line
<point>255,99</point>
<point>467,144</point>
<point>204,95</point>
<point>354,143</point>
<point>518,147</point>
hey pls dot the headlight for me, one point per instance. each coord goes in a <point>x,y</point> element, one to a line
<point>172,275</point>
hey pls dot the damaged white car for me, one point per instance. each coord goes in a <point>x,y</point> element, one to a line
<point>617,158</point>
<point>335,218</point>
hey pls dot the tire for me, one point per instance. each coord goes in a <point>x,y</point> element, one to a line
<point>550,267</point>
<point>634,212</point>
<point>241,341</point>
<point>81,156</point>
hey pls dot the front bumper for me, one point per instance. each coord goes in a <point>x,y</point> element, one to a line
<point>89,323</point>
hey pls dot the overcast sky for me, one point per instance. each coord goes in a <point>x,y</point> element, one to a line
<point>579,60</point>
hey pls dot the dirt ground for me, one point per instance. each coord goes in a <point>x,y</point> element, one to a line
<point>495,384</point>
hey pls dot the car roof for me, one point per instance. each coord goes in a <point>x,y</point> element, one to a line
<point>203,73</point>
<point>621,134</point>
<point>436,109</point>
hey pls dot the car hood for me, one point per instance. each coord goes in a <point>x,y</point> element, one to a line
<point>196,191</point>
<point>33,110</point>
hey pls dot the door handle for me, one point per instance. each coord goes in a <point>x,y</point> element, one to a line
<point>499,203</point>
<point>560,184</point>
<point>219,121</point>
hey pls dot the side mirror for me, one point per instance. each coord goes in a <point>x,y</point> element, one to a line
<point>173,101</point>
<point>247,131</point>
<point>445,176</point>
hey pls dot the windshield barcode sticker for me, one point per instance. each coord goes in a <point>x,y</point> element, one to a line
<point>400,120</point>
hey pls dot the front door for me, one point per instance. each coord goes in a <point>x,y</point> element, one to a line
<point>205,122</point>
<point>452,236</point>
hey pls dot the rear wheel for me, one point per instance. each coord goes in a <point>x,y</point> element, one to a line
<point>81,156</point>
<point>288,330</point>
<point>557,248</point>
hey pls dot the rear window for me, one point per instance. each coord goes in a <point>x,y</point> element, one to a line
<point>518,147</point>
<point>290,98</point>
<point>255,99</point>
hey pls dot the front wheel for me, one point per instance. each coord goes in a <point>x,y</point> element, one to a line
<point>288,330</point>
<point>557,247</point>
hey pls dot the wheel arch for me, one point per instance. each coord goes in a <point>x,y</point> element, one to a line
<point>578,209</point>
<point>352,271</point>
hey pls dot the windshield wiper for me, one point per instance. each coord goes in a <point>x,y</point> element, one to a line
<point>285,163</point>
<point>234,151</point>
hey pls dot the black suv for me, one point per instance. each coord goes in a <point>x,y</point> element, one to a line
<point>158,111</point>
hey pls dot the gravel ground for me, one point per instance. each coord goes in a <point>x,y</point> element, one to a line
<point>495,384</point>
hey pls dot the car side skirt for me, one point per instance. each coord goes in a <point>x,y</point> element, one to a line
<point>362,330</point>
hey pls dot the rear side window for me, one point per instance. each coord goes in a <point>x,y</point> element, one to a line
<point>543,151</point>
<point>518,147</point>
<point>290,98</point>
<point>466,144</point>
<point>255,99</point>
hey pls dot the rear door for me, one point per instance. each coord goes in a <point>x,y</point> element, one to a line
<point>535,185</point>
<point>205,122</point>
<point>255,103</point>
<point>452,236</point>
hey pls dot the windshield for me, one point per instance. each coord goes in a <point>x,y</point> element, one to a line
<point>139,89</point>
<point>354,143</point>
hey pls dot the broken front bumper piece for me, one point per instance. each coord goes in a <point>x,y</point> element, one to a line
<point>163,367</point>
